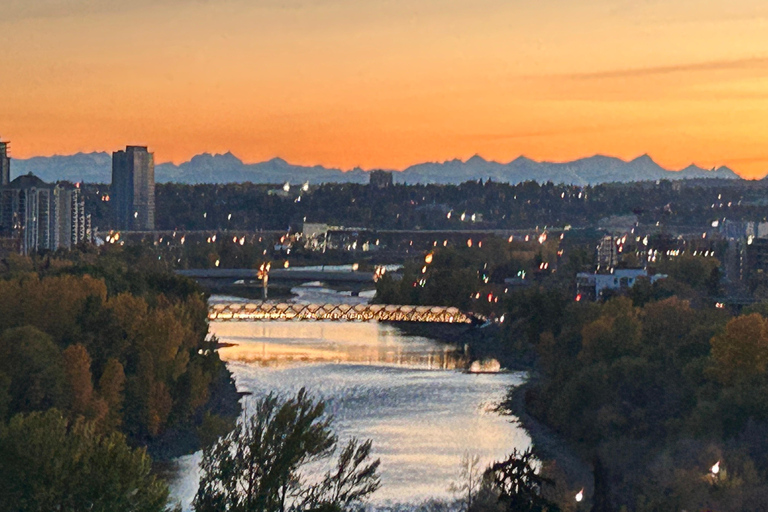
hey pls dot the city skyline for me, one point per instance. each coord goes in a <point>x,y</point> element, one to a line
<point>390,84</point>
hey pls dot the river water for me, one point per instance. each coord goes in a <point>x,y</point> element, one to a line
<point>402,391</point>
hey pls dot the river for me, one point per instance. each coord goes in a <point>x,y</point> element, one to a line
<point>401,391</point>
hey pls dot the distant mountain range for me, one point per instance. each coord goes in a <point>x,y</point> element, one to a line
<point>227,168</point>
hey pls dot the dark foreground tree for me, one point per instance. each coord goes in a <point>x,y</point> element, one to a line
<point>520,485</point>
<point>48,463</point>
<point>259,466</point>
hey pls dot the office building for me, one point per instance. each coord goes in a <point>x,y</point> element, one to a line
<point>607,253</point>
<point>5,165</point>
<point>133,189</point>
<point>380,179</point>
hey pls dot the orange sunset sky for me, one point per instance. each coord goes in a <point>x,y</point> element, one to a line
<point>389,83</point>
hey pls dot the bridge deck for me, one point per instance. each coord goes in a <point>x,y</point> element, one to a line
<point>259,311</point>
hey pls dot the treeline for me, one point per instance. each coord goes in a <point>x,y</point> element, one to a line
<point>124,346</point>
<point>495,205</point>
<point>659,394</point>
<point>465,277</point>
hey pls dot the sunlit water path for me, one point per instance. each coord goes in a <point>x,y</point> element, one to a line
<point>396,389</point>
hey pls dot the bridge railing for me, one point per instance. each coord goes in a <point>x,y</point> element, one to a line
<point>265,311</point>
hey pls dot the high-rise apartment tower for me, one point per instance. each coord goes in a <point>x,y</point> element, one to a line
<point>5,165</point>
<point>43,216</point>
<point>133,189</point>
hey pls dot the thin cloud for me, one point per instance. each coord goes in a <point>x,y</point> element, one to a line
<point>721,65</point>
<point>18,10</point>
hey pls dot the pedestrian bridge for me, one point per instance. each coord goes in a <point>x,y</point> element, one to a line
<point>259,311</point>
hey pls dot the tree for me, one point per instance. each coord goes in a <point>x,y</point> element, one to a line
<point>257,467</point>
<point>741,351</point>
<point>111,385</point>
<point>79,383</point>
<point>48,463</point>
<point>520,485</point>
<point>351,480</point>
<point>33,363</point>
<point>470,479</point>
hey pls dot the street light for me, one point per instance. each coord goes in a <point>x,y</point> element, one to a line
<point>580,496</point>
<point>263,274</point>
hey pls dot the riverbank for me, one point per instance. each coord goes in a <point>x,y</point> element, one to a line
<point>484,343</point>
<point>548,444</point>
<point>216,418</point>
<point>473,342</point>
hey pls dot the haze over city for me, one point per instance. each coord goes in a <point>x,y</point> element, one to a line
<point>389,83</point>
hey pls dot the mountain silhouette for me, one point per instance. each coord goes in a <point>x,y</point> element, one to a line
<point>228,168</point>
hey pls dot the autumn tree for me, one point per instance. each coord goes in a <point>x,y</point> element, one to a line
<point>111,385</point>
<point>741,350</point>
<point>79,381</point>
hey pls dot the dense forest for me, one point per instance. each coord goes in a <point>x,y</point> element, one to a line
<point>495,205</point>
<point>114,338</point>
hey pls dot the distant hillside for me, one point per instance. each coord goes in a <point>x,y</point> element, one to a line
<point>227,168</point>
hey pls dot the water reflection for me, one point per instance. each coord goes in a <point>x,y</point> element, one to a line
<point>379,384</point>
<point>280,343</point>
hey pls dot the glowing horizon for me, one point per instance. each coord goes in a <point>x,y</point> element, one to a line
<point>388,83</point>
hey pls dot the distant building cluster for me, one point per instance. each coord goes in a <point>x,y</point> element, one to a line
<point>36,216</point>
<point>322,237</point>
<point>594,286</point>
<point>748,242</point>
<point>608,278</point>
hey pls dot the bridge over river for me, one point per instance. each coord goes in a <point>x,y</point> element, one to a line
<point>259,311</point>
